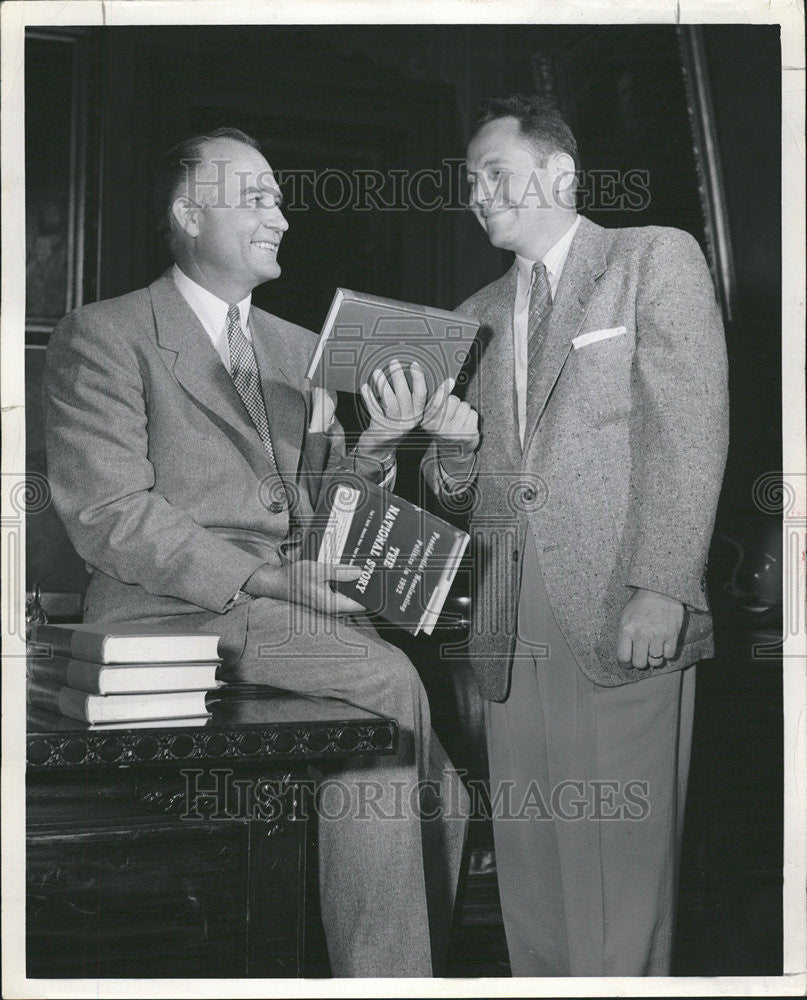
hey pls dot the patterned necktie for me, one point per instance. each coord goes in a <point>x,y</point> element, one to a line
<point>244,372</point>
<point>538,314</point>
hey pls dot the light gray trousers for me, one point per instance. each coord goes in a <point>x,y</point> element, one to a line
<point>391,829</point>
<point>591,786</point>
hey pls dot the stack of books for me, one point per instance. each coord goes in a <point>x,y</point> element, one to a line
<point>122,673</point>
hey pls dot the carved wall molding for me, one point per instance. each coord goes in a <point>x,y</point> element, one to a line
<point>708,165</point>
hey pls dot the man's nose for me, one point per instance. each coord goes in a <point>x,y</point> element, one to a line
<point>275,219</point>
<point>479,194</point>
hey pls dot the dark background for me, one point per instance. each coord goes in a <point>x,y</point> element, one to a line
<point>402,98</point>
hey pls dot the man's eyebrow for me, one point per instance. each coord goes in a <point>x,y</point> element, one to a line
<point>275,192</point>
<point>490,161</point>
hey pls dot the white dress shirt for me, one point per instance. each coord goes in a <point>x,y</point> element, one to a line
<point>554,260</point>
<point>212,312</point>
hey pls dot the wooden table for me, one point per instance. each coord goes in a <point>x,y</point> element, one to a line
<point>180,851</point>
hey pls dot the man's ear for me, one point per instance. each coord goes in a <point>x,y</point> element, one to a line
<point>564,179</point>
<point>187,215</point>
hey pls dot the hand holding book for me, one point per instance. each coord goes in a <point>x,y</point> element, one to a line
<point>454,426</point>
<point>310,584</point>
<point>305,582</point>
<point>395,409</point>
<point>405,556</point>
<point>366,345</point>
<point>363,333</point>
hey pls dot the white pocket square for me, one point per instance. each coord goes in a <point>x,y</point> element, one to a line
<point>594,335</point>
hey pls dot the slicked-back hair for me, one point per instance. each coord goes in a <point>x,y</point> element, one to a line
<point>538,120</point>
<point>174,170</point>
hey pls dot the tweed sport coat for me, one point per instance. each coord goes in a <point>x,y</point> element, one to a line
<point>157,471</point>
<point>623,455</point>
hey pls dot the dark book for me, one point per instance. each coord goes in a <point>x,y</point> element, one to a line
<point>408,557</point>
<point>124,642</point>
<point>116,707</point>
<point>364,332</point>
<point>123,678</point>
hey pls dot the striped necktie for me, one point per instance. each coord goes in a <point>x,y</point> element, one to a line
<point>244,372</point>
<point>537,315</point>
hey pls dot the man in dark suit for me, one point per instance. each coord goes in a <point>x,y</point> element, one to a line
<point>184,447</point>
<point>602,397</point>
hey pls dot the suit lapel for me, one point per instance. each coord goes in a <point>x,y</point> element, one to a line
<point>498,387</point>
<point>286,408</point>
<point>198,368</point>
<point>585,263</point>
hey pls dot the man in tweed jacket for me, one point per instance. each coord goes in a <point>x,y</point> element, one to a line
<point>593,490</point>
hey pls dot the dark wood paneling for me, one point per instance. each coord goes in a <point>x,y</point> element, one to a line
<point>50,559</point>
<point>277,904</point>
<point>163,899</point>
<point>315,108</point>
<point>180,852</point>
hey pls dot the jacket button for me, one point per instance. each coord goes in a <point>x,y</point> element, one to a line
<point>276,507</point>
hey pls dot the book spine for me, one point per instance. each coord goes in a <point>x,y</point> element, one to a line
<point>432,612</point>
<point>62,700</point>
<point>44,695</point>
<point>438,597</point>
<point>71,643</point>
<point>88,677</point>
<point>335,535</point>
<point>77,704</point>
<point>326,332</point>
<point>59,640</point>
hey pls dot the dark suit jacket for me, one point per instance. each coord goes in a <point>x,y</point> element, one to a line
<point>623,455</point>
<point>157,471</point>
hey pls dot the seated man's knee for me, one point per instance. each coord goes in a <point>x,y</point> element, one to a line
<point>399,667</point>
<point>403,678</point>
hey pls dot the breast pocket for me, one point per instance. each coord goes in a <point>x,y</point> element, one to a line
<point>600,373</point>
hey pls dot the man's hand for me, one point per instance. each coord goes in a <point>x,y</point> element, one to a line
<point>394,409</point>
<point>648,629</point>
<point>454,425</point>
<point>305,582</point>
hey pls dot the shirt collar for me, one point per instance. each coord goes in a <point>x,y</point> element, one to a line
<point>211,310</point>
<point>553,259</point>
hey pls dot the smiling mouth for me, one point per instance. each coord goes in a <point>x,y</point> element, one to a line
<point>265,245</point>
